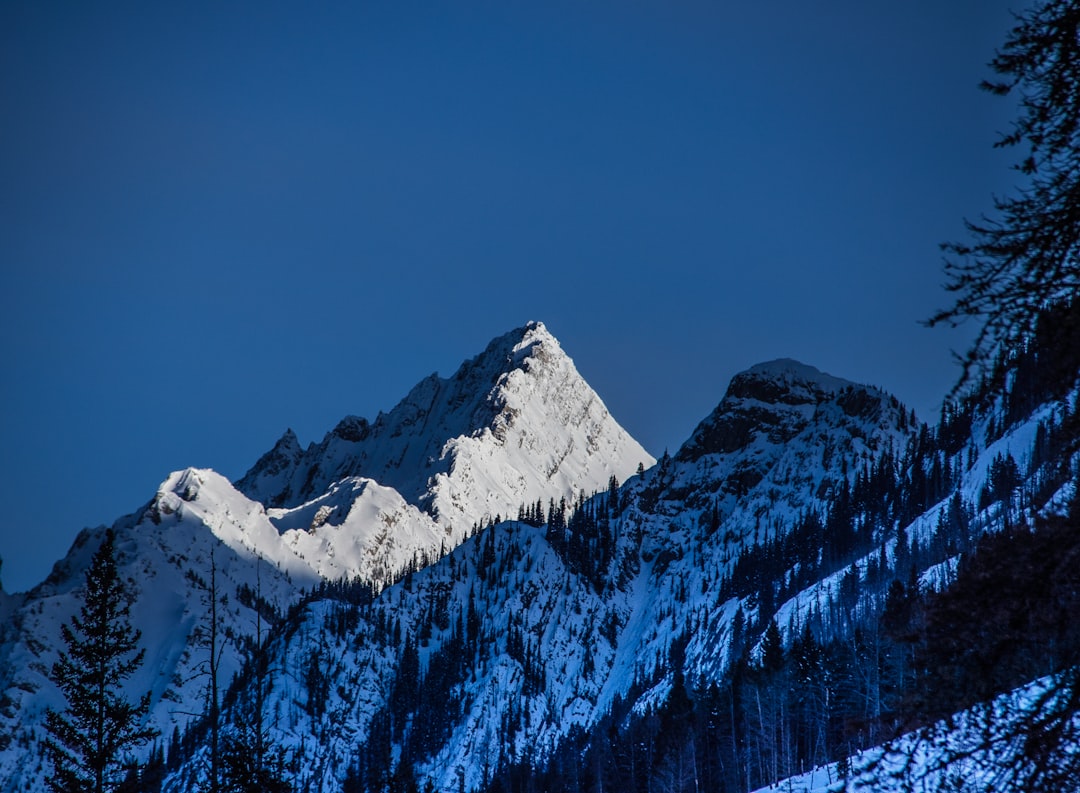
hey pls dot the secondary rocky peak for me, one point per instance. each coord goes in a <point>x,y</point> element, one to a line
<point>773,402</point>
<point>271,472</point>
<point>286,449</point>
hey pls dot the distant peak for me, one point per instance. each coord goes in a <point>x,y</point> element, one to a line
<point>279,460</point>
<point>287,441</point>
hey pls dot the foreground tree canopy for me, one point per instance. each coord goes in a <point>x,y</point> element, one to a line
<point>1024,257</point>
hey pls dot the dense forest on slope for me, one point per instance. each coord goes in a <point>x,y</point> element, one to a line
<point>917,588</point>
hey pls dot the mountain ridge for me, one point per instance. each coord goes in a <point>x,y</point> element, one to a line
<point>567,617</point>
<point>529,643</point>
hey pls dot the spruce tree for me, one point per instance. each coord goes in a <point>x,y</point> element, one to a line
<point>1026,256</point>
<point>91,742</point>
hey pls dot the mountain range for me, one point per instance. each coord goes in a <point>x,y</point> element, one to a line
<point>494,586</point>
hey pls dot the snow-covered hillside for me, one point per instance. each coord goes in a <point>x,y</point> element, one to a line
<point>515,425</point>
<point>555,641</point>
<point>525,637</point>
<point>975,750</point>
<point>195,530</point>
<point>780,524</point>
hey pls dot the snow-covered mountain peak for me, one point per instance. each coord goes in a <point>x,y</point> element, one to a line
<point>799,502</point>
<point>519,341</point>
<point>205,501</point>
<point>533,336</point>
<point>401,447</point>
<point>515,424</point>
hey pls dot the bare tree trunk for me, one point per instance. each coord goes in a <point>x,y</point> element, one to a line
<point>215,659</point>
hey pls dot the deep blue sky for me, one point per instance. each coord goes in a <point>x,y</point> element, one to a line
<point>220,220</point>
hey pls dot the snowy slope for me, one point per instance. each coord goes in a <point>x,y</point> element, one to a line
<point>550,645</point>
<point>515,425</point>
<point>511,639</point>
<point>778,445</point>
<point>969,752</point>
<point>196,522</point>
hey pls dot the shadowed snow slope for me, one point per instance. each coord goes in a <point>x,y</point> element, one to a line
<point>524,635</point>
<point>513,639</point>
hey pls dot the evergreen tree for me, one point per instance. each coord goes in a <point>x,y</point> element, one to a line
<point>210,637</point>
<point>245,771</point>
<point>91,742</point>
<point>249,761</point>
<point>1028,256</point>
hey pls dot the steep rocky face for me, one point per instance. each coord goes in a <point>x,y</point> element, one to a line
<point>272,472</point>
<point>784,426</point>
<point>515,424</point>
<point>771,401</point>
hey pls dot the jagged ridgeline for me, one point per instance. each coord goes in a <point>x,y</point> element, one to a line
<point>752,606</point>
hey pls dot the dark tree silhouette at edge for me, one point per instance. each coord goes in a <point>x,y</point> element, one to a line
<point>91,741</point>
<point>1027,256</point>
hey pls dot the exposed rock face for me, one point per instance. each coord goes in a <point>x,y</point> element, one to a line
<point>783,424</point>
<point>772,400</point>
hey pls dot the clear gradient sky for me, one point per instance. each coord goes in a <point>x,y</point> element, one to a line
<point>220,220</point>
